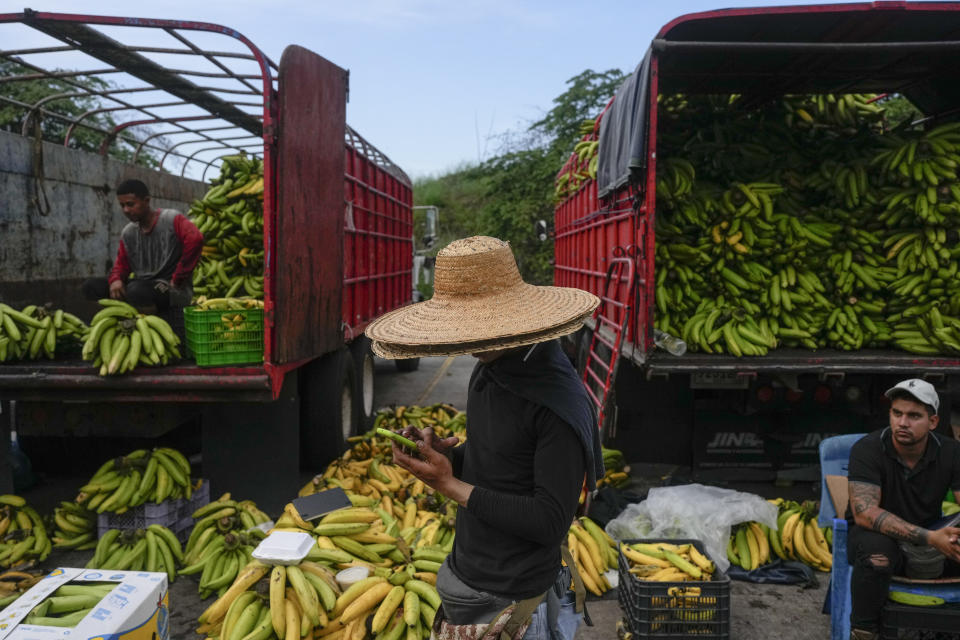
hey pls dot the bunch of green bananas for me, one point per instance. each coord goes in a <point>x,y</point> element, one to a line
<point>76,527</point>
<point>844,238</point>
<point>69,604</point>
<point>23,536</point>
<point>121,337</point>
<point>36,331</point>
<point>221,542</point>
<point>230,217</point>
<point>582,164</point>
<point>131,480</point>
<point>226,304</point>
<point>155,548</point>
<point>219,559</point>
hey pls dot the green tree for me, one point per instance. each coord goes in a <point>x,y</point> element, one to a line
<point>30,91</point>
<point>505,196</point>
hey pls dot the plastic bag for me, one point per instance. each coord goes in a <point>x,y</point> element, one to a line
<point>692,511</point>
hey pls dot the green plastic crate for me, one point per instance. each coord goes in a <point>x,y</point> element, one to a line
<point>217,338</point>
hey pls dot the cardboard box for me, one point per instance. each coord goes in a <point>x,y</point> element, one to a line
<point>138,608</point>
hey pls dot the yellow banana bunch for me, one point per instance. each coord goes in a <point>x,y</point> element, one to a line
<point>14,583</point>
<point>122,338</point>
<point>667,562</point>
<point>230,217</point>
<point>593,552</point>
<point>131,480</point>
<point>304,600</point>
<point>797,537</point>
<point>38,331</point>
<point>23,535</point>
<point>155,548</point>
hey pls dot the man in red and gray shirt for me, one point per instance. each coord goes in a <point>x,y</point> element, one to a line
<point>160,247</point>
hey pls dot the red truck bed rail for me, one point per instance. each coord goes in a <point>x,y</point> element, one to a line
<point>907,47</point>
<point>191,92</point>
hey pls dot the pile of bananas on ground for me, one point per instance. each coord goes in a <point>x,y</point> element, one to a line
<point>75,527</point>
<point>808,222</point>
<point>230,217</point>
<point>37,331</point>
<point>14,583</point>
<point>582,164</point>
<point>303,599</point>
<point>69,604</point>
<point>155,548</point>
<point>445,419</point>
<point>140,476</point>
<point>23,536</point>
<point>616,473</point>
<point>594,552</point>
<point>221,542</point>
<point>797,537</point>
<point>667,562</point>
<point>121,338</point>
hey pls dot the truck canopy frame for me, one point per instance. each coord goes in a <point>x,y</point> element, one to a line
<point>189,93</point>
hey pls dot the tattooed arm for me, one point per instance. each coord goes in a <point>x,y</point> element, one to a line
<point>865,505</point>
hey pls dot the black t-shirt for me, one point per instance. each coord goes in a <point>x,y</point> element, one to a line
<point>915,495</point>
<point>527,468</point>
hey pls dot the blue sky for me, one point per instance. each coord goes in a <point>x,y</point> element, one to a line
<point>433,82</point>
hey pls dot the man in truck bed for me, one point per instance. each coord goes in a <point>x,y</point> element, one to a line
<point>159,248</point>
<point>897,479</point>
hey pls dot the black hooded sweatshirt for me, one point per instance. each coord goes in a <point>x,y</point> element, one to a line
<point>532,435</point>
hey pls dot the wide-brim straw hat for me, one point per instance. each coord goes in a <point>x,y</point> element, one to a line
<point>479,303</point>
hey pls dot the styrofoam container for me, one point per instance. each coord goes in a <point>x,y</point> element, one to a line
<point>351,575</point>
<point>284,547</point>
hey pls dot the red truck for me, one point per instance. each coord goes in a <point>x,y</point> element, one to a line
<point>337,237</point>
<point>716,410</point>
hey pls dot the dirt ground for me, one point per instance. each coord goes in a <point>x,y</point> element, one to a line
<point>757,612</point>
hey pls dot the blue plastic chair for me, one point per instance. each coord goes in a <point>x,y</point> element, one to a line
<point>834,459</point>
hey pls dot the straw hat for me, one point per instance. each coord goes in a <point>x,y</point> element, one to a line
<point>479,303</point>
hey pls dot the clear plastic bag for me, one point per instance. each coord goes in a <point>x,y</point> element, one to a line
<point>692,511</point>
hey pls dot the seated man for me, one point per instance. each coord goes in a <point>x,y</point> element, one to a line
<point>160,247</point>
<point>897,478</point>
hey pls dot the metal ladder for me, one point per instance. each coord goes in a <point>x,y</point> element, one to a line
<point>610,320</point>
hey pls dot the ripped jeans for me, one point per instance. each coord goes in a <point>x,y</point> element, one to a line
<point>875,559</point>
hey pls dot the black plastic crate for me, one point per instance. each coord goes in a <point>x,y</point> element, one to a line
<point>173,513</point>
<point>670,609</point>
<point>903,622</point>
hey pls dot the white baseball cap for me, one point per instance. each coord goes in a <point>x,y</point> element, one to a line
<point>922,390</point>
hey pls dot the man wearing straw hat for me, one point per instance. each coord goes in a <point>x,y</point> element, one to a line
<point>533,438</point>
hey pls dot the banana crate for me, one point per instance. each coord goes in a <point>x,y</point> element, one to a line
<point>691,608</point>
<point>218,337</point>
<point>174,514</point>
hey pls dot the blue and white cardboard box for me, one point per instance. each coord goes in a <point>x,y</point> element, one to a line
<point>138,608</point>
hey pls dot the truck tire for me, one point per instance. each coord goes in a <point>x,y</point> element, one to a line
<point>364,365</point>
<point>329,412</point>
<point>407,364</point>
